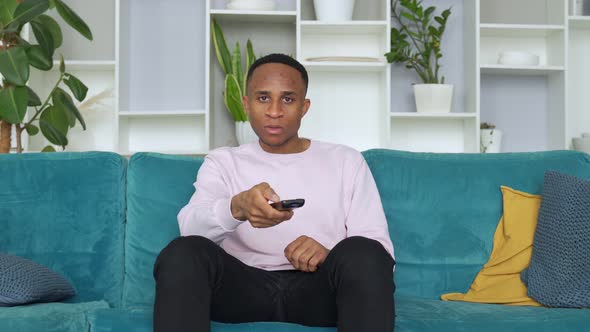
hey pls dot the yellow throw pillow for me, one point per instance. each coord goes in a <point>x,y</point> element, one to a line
<point>499,279</point>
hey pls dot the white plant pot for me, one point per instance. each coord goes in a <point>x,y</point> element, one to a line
<point>582,143</point>
<point>245,133</point>
<point>433,98</point>
<point>333,10</point>
<point>491,140</point>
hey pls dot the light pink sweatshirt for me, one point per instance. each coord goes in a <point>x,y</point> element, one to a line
<point>341,200</point>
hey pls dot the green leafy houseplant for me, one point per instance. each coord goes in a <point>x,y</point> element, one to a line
<point>417,41</point>
<point>57,113</point>
<point>235,75</point>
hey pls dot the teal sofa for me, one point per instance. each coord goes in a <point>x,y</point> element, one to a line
<point>100,220</point>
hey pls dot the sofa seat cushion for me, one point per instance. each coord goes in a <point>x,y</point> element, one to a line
<point>48,317</point>
<point>140,320</point>
<point>418,314</point>
<point>412,314</point>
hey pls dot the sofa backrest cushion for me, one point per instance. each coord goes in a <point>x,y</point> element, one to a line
<point>66,211</point>
<point>443,209</point>
<point>158,187</point>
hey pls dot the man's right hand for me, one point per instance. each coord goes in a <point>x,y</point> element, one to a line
<point>252,205</point>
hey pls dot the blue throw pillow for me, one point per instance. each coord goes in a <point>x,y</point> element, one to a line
<point>23,281</point>
<point>559,271</point>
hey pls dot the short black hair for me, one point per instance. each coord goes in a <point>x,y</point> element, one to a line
<point>279,58</point>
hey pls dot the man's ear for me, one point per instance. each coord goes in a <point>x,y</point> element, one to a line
<point>306,105</point>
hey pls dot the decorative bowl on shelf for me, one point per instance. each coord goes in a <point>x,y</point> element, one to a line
<point>251,4</point>
<point>518,58</point>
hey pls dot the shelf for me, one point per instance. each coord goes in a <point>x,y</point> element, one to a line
<point>519,30</point>
<point>579,22</point>
<point>162,113</point>
<point>520,70</point>
<point>345,66</point>
<point>88,65</point>
<point>350,27</point>
<point>254,16</point>
<point>415,115</point>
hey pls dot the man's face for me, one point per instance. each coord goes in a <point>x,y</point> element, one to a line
<point>275,104</point>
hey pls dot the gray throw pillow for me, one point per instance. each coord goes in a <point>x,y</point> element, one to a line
<point>23,281</point>
<point>559,271</point>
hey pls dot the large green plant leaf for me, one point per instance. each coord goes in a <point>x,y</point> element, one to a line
<point>250,58</point>
<point>62,64</point>
<point>7,8</point>
<point>48,148</point>
<point>14,65</point>
<point>32,98</point>
<point>63,101</point>
<point>54,125</point>
<point>233,98</point>
<point>236,64</point>
<point>13,104</point>
<point>28,10</point>
<point>44,37</point>
<point>76,86</point>
<point>221,50</point>
<point>32,130</point>
<point>73,19</point>
<point>53,27</point>
<point>38,58</point>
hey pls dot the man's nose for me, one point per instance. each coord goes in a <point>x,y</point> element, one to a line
<point>275,109</point>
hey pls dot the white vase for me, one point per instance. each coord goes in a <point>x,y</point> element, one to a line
<point>433,98</point>
<point>333,10</point>
<point>582,143</point>
<point>245,133</point>
<point>491,140</point>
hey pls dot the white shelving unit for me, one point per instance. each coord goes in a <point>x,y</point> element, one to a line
<point>578,78</point>
<point>528,103</point>
<point>293,29</point>
<point>157,59</point>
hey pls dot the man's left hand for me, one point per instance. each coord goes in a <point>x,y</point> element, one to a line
<point>306,254</point>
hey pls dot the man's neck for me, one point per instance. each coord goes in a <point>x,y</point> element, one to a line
<point>295,145</point>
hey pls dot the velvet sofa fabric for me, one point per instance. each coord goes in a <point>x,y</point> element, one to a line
<point>158,187</point>
<point>67,211</point>
<point>443,209</point>
<point>49,317</point>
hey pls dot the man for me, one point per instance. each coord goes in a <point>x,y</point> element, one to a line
<point>328,263</point>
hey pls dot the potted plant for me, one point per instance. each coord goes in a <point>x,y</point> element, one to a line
<point>235,81</point>
<point>491,138</point>
<point>333,10</point>
<point>416,43</point>
<point>54,116</point>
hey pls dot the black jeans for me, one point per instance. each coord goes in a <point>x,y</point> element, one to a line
<point>197,281</point>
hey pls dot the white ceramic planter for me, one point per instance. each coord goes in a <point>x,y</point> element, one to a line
<point>433,98</point>
<point>245,133</point>
<point>582,143</point>
<point>491,140</point>
<point>333,10</point>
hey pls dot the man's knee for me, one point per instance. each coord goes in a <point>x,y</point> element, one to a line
<point>183,251</point>
<point>359,253</point>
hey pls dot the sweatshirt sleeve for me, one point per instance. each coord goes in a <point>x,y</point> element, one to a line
<point>365,216</point>
<point>208,213</point>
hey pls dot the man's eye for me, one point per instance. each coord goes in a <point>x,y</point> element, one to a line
<point>287,100</point>
<point>263,98</point>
